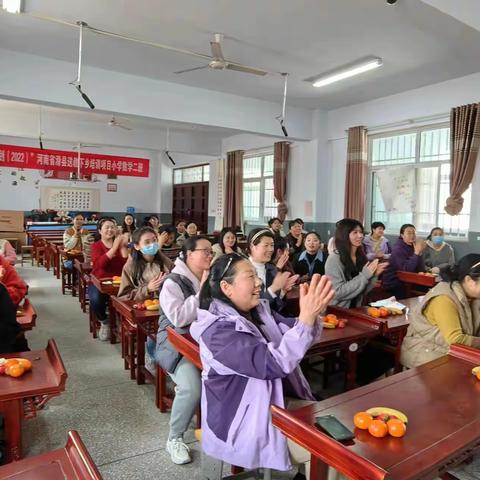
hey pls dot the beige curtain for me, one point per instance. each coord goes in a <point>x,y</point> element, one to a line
<point>281,152</point>
<point>233,214</point>
<point>357,171</point>
<point>464,146</point>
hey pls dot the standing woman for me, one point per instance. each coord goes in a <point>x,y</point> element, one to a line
<point>227,243</point>
<point>406,256</point>
<point>376,245</point>
<point>351,274</point>
<point>179,306</point>
<point>275,285</point>
<point>75,237</point>
<point>438,254</point>
<point>295,238</point>
<point>129,225</point>
<point>145,268</point>
<point>109,255</point>
<point>312,259</point>
<point>275,225</point>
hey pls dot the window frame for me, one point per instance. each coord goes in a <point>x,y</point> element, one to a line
<point>417,164</point>
<point>204,177</point>
<point>261,179</point>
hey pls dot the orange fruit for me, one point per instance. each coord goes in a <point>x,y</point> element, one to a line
<point>26,363</point>
<point>373,312</point>
<point>10,362</point>
<point>15,370</point>
<point>384,312</point>
<point>378,428</point>
<point>396,428</point>
<point>362,420</point>
<point>155,301</point>
<point>147,303</point>
<point>330,318</point>
<point>478,375</point>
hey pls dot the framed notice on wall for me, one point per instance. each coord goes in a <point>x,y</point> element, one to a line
<point>78,199</point>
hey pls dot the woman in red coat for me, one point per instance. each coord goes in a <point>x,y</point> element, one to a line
<point>109,255</point>
<point>16,287</point>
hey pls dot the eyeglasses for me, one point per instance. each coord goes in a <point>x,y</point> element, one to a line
<point>208,252</point>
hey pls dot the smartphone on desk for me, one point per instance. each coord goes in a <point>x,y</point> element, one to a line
<point>330,425</point>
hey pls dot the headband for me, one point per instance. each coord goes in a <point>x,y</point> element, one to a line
<point>260,234</point>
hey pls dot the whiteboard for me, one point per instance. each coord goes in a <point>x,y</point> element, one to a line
<point>62,198</point>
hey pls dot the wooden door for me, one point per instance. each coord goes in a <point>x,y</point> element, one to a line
<point>190,202</point>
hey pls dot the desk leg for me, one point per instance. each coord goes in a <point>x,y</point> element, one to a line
<point>318,469</point>
<point>132,337</point>
<point>398,351</point>
<point>113,321</point>
<point>141,339</point>
<point>12,413</point>
<point>351,366</point>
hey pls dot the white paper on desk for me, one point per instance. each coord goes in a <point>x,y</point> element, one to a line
<point>389,303</point>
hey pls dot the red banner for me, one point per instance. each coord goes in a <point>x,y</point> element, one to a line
<point>38,159</point>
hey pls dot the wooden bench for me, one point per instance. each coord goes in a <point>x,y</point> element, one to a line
<point>73,462</point>
<point>26,315</point>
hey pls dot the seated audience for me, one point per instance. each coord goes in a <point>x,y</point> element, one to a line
<point>75,237</point>
<point>275,285</point>
<point>448,314</point>
<point>406,256</point>
<point>166,237</point>
<point>152,221</point>
<point>11,280</point>
<point>281,256</point>
<point>145,268</point>
<point>191,231</point>
<point>250,357</point>
<point>129,225</point>
<point>109,255</point>
<point>181,228</point>
<point>276,225</point>
<point>312,259</point>
<point>375,244</point>
<point>351,274</point>
<point>227,243</point>
<point>438,254</point>
<point>179,307</point>
<point>295,239</point>
<point>12,338</point>
<point>7,251</point>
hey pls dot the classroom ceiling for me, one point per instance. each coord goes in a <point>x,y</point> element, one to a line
<point>419,44</point>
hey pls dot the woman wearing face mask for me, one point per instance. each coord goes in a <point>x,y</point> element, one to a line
<point>129,226</point>
<point>145,269</point>
<point>109,255</point>
<point>438,254</point>
<point>312,259</point>
<point>250,357</point>
<point>351,274</point>
<point>75,237</point>
<point>275,285</point>
<point>179,306</point>
<point>227,243</point>
<point>407,255</point>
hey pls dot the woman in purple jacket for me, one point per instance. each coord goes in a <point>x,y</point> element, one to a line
<point>250,356</point>
<point>406,256</point>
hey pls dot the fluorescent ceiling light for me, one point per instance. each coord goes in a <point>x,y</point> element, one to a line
<point>345,72</point>
<point>13,6</point>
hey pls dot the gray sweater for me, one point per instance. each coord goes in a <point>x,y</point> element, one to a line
<point>348,293</point>
<point>438,258</point>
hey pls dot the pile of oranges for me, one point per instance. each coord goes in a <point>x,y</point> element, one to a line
<point>14,367</point>
<point>331,321</point>
<point>148,305</point>
<point>381,425</point>
<point>378,312</point>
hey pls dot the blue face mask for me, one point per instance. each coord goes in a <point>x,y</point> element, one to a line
<point>437,240</point>
<point>151,249</point>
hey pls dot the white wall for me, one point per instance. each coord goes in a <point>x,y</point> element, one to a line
<point>430,100</point>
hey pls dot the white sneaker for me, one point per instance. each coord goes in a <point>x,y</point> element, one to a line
<point>104,332</point>
<point>179,452</point>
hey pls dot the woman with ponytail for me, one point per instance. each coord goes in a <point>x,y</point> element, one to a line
<point>250,357</point>
<point>448,314</point>
<point>146,267</point>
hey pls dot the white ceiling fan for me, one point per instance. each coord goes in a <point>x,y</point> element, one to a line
<point>114,123</point>
<point>218,61</point>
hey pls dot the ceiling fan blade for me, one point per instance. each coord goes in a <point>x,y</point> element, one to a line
<point>245,69</point>
<point>217,50</point>
<point>190,69</point>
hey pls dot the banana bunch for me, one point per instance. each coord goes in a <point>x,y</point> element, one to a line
<point>387,413</point>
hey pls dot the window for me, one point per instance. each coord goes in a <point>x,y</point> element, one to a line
<point>428,151</point>
<point>259,203</point>
<point>198,173</point>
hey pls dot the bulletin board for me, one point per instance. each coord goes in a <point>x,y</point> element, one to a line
<point>78,199</point>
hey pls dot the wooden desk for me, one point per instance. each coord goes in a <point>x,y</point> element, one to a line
<point>83,271</point>
<point>26,315</point>
<point>186,345</point>
<point>412,278</point>
<point>107,289</point>
<point>129,317</point>
<point>22,397</point>
<point>443,429</point>
<point>393,328</point>
<point>73,462</point>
